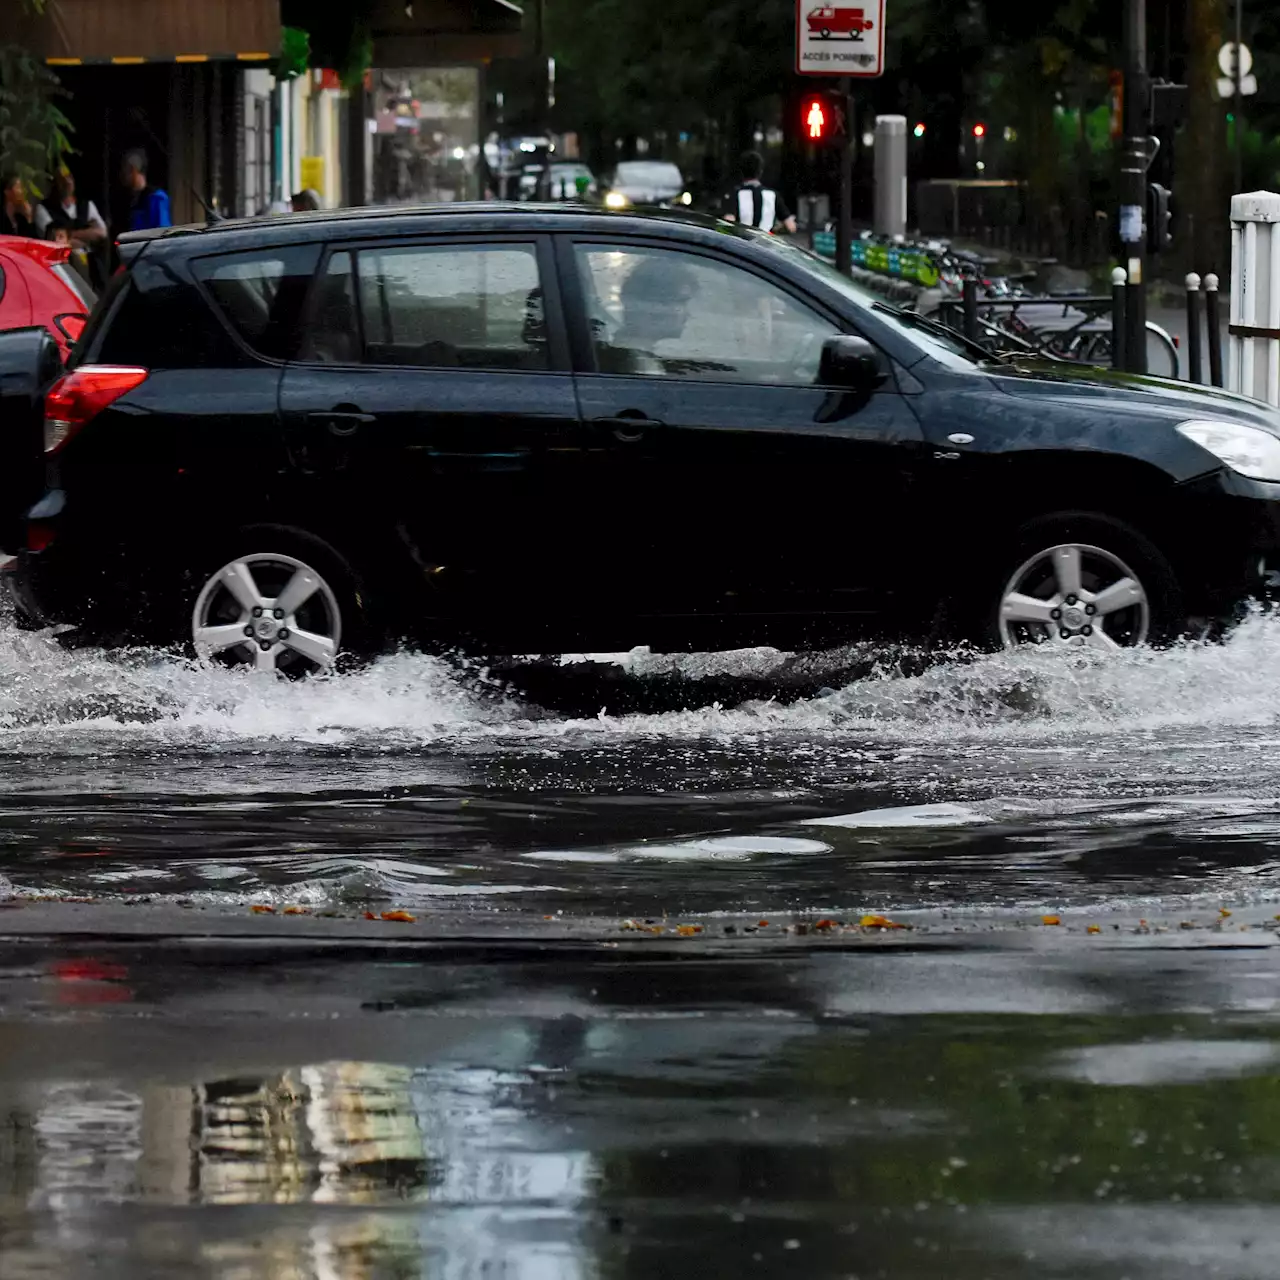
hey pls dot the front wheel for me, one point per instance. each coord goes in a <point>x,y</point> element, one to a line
<point>1086,581</point>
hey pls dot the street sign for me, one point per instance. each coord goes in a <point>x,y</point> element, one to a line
<point>1227,86</point>
<point>1227,60</point>
<point>837,38</point>
<point>1227,65</point>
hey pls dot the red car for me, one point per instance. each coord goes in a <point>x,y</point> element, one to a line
<point>38,285</point>
<point>827,21</point>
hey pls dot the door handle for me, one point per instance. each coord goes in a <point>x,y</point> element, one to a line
<point>342,422</point>
<point>627,427</point>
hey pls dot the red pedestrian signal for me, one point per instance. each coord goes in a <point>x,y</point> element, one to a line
<point>821,119</point>
<point>815,120</point>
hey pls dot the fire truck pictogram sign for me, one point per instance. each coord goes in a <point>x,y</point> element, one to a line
<point>840,39</point>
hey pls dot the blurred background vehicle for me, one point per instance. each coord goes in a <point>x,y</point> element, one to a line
<point>647,182</point>
<point>566,180</point>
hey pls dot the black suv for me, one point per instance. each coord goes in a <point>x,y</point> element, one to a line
<point>523,430</point>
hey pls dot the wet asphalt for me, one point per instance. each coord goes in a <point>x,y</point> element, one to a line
<point>961,968</point>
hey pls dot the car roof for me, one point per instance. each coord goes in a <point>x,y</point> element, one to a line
<point>396,220</point>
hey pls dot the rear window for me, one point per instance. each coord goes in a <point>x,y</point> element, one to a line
<point>77,284</point>
<point>260,293</point>
<point>156,320</point>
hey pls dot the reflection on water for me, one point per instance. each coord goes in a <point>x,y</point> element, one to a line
<point>632,1145</point>
<point>342,1134</point>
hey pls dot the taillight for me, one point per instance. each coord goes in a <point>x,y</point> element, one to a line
<point>77,397</point>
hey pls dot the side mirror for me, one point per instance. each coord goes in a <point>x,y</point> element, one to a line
<point>851,362</point>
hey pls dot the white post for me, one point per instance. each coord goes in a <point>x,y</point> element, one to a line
<point>1253,347</point>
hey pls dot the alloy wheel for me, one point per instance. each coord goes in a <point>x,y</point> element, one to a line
<point>1074,594</point>
<point>270,612</point>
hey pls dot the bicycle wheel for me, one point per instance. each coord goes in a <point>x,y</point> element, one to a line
<point>1162,355</point>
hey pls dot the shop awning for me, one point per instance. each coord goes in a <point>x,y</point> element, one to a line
<point>71,32</point>
<point>425,33</point>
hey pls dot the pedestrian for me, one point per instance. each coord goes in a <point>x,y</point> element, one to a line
<point>86,227</point>
<point>15,208</point>
<point>148,205</point>
<point>755,205</point>
<point>61,231</point>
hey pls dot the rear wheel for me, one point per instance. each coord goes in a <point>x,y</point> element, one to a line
<point>1087,581</point>
<point>284,603</point>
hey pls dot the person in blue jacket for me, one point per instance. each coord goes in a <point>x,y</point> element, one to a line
<point>148,206</point>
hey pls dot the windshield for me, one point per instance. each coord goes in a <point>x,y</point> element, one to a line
<point>650,172</point>
<point>948,348</point>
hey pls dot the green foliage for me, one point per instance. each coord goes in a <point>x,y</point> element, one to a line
<point>34,130</point>
<point>295,53</point>
<point>339,34</point>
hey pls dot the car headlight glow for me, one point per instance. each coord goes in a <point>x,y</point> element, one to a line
<point>616,200</point>
<point>686,198</point>
<point>1251,451</point>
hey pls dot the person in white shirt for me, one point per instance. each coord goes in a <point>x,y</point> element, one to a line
<point>87,226</point>
<point>755,205</point>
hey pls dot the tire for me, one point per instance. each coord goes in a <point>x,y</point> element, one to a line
<point>1098,555</point>
<point>330,605</point>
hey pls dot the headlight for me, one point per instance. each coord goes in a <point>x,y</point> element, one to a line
<point>686,198</point>
<point>616,200</point>
<point>1249,450</point>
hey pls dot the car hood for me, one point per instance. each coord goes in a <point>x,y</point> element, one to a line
<point>1158,399</point>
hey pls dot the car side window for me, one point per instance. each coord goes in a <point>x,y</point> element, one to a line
<point>260,293</point>
<point>448,306</point>
<point>665,313</point>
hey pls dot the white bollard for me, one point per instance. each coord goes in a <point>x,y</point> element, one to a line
<point>1253,347</point>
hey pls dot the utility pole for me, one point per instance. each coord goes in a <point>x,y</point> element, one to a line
<point>1238,128</point>
<point>1134,162</point>
<point>844,154</point>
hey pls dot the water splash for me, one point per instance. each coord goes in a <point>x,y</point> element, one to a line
<point>53,699</point>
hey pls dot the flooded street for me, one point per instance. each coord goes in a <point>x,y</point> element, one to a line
<point>399,974</point>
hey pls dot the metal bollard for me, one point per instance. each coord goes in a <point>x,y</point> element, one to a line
<point>1119,282</point>
<point>969,296</point>
<point>1193,326</point>
<point>1213,321</point>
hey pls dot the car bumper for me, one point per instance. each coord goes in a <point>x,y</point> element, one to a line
<point>1227,542</point>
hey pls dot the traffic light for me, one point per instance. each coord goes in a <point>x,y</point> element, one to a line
<point>979,131</point>
<point>822,118</point>
<point>1159,218</point>
<point>919,130</point>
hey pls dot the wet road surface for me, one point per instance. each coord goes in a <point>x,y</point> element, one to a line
<point>398,974</point>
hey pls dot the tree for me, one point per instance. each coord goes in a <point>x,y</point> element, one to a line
<point>34,130</point>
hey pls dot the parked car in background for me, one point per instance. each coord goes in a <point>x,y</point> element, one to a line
<point>567,180</point>
<point>652,183</point>
<point>38,286</point>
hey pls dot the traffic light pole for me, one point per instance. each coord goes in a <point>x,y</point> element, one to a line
<point>844,224</point>
<point>1133,180</point>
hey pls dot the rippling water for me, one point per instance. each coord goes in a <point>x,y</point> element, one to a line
<point>1006,779</point>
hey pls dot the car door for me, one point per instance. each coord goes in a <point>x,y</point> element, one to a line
<point>433,391</point>
<point>750,495</point>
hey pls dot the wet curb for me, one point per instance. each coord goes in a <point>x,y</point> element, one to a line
<point>27,921</point>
